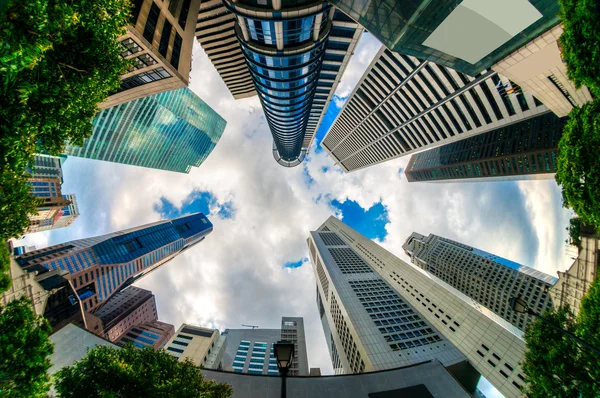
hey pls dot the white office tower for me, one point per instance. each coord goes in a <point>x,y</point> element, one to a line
<point>203,346</point>
<point>379,312</point>
<point>489,279</point>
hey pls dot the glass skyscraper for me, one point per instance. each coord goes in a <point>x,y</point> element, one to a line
<point>522,150</point>
<point>466,35</point>
<point>172,131</point>
<point>296,52</point>
<point>102,265</point>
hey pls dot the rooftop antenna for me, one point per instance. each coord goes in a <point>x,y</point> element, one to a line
<point>250,326</point>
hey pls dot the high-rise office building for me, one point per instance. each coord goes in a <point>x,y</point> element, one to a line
<point>465,35</point>
<point>295,55</point>
<point>251,350</point>
<point>153,334</point>
<point>173,131</point>
<point>404,105</point>
<point>46,166</point>
<point>215,31</point>
<point>69,212</point>
<point>98,267</point>
<point>50,210</point>
<point>159,41</point>
<point>486,278</point>
<point>523,150</point>
<point>46,180</point>
<point>203,346</point>
<point>378,312</point>
<point>538,67</point>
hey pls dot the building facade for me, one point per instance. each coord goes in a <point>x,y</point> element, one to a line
<point>295,55</point>
<point>159,42</point>
<point>51,210</point>
<point>523,150</point>
<point>404,105</point>
<point>215,31</point>
<point>575,282</point>
<point>203,346</point>
<point>465,35</point>
<point>486,278</point>
<point>69,212</point>
<point>539,69</point>
<point>46,166</point>
<point>251,350</point>
<point>379,312</point>
<point>153,334</point>
<point>172,131</point>
<point>128,308</point>
<point>100,266</point>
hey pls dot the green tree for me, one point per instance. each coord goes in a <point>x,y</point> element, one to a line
<point>129,372</point>
<point>580,42</point>
<point>5,280</point>
<point>578,163</point>
<point>574,229</point>
<point>24,351</point>
<point>557,366</point>
<point>58,60</point>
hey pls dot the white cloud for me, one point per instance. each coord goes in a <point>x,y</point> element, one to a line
<point>236,276</point>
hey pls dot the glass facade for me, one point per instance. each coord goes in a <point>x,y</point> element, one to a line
<point>404,26</point>
<point>103,265</point>
<point>525,148</point>
<point>284,51</point>
<point>172,131</point>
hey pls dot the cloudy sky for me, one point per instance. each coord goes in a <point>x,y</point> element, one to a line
<point>253,268</point>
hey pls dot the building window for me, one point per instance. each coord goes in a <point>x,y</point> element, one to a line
<point>164,38</point>
<point>151,22</point>
<point>143,78</point>
<point>176,51</point>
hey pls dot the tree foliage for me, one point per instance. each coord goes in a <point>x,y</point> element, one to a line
<point>130,372</point>
<point>557,366</point>
<point>5,280</point>
<point>574,229</point>
<point>580,42</point>
<point>24,351</point>
<point>58,60</point>
<point>578,164</point>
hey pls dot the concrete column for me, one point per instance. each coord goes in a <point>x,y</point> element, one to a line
<point>317,28</point>
<point>243,28</point>
<point>279,35</point>
<point>277,5</point>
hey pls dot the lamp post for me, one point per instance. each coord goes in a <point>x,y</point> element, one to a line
<point>284,352</point>
<point>519,305</point>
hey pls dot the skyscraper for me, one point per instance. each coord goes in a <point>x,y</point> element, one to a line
<point>404,105</point>
<point>173,131</point>
<point>251,350</point>
<point>465,35</point>
<point>98,267</point>
<point>46,180</point>
<point>538,67</point>
<point>519,151</point>
<point>203,346</point>
<point>295,55</point>
<point>50,210</point>
<point>378,312</point>
<point>486,278</point>
<point>130,316</point>
<point>159,42</point>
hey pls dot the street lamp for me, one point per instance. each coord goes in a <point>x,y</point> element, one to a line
<point>519,305</point>
<point>284,352</point>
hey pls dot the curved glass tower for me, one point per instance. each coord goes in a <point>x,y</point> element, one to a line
<point>284,45</point>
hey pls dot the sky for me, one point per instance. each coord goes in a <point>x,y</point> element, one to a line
<point>254,267</point>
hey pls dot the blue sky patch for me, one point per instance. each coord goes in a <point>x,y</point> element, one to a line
<point>330,115</point>
<point>197,201</point>
<point>295,264</point>
<point>371,222</point>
